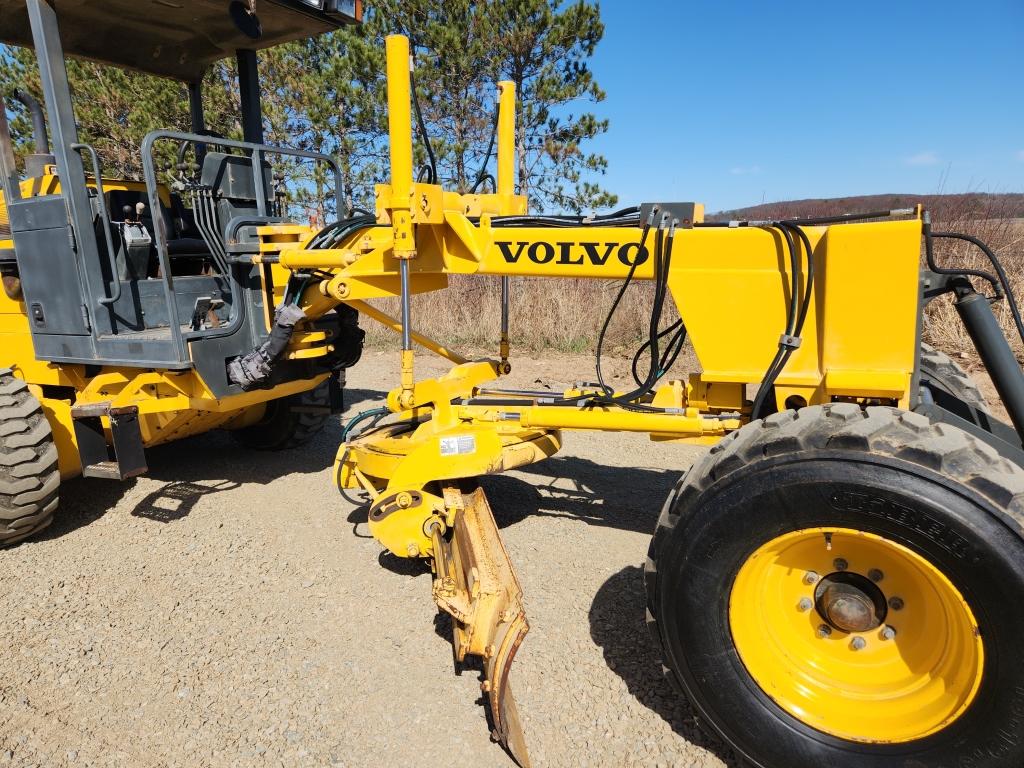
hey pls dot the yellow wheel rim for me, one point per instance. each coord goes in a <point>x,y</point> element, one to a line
<point>843,664</point>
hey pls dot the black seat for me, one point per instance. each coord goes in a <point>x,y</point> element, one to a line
<point>187,246</point>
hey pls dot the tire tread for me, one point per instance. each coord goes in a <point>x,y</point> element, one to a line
<point>29,474</point>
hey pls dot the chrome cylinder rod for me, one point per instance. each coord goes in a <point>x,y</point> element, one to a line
<point>403,267</point>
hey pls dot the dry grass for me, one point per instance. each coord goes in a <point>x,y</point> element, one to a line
<point>561,315</point>
<point>566,315</point>
<point>942,326</point>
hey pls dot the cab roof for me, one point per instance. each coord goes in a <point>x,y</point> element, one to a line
<point>178,39</point>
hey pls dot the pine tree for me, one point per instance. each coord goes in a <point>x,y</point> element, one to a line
<point>328,94</point>
<point>543,48</point>
<point>464,47</point>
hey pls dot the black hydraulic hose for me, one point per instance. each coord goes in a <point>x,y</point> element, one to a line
<point>564,221</point>
<point>784,351</point>
<point>929,255</point>
<point>333,233</point>
<point>615,304</point>
<point>432,178</point>
<point>794,280</point>
<point>622,212</point>
<point>652,332</point>
<point>808,274</point>
<point>662,264</point>
<point>997,266</point>
<point>639,353</point>
<point>846,217</point>
<point>841,218</point>
<point>480,177</point>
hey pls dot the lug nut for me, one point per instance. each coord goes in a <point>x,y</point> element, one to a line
<point>858,644</point>
<point>840,564</point>
<point>804,605</point>
<point>810,578</point>
<point>824,631</point>
<point>896,603</point>
<point>875,575</point>
<point>888,633</point>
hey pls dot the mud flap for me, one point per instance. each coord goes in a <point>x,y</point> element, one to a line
<point>475,584</point>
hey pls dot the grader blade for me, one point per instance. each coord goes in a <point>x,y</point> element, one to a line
<point>474,583</point>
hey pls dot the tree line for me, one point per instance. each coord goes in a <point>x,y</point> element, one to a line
<point>328,95</point>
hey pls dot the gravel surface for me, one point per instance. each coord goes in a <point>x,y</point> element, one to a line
<point>229,609</point>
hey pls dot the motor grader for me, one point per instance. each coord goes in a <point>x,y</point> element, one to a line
<point>836,582</point>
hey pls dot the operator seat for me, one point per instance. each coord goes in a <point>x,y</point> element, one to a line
<point>188,252</point>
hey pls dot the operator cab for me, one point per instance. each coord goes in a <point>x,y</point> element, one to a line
<point>150,272</point>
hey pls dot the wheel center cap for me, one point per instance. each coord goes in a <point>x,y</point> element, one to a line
<point>850,602</point>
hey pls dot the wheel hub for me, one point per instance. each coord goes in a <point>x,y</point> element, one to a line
<point>841,655</point>
<point>850,602</point>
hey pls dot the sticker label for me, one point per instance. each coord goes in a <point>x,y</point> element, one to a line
<point>455,446</point>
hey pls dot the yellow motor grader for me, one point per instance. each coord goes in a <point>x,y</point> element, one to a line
<point>835,583</point>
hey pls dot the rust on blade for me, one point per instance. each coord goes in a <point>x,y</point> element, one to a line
<point>474,582</point>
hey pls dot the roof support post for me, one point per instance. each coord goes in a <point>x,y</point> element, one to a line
<point>57,95</point>
<point>249,90</point>
<point>198,118</point>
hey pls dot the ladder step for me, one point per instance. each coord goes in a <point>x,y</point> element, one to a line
<point>126,457</point>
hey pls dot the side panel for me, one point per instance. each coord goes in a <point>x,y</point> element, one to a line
<point>48,266</point>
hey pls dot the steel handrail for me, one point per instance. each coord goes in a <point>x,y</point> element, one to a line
<point>111,253</point>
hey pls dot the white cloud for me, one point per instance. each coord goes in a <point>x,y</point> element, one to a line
<point>922,158</point>
<point>745,170</point>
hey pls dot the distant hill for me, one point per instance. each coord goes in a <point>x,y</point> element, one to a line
<point>972,205</point>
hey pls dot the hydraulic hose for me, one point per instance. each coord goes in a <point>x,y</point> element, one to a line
<point>997,266</point>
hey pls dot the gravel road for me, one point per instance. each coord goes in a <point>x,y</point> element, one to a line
<point>229,609</point>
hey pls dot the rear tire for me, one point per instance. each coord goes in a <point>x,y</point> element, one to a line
<point>289,422</point>
<point>29,476</point>
<point>939,370</point>
<point>944,507</point>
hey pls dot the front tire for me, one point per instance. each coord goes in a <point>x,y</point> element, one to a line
<point>920,513</point>
<point>29,477</point>
<point>289,422</point>
<point>940,372</point>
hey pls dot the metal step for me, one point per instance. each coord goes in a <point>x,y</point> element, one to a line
<point>125,457</point>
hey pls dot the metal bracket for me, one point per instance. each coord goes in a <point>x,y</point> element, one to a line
<point>126,457</point>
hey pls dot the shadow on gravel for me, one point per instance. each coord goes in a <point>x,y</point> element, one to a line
<point>83,500</point>
<point>175,500</point>
<point>196,467</point>
<point>627,498</point>
<point>618,627</point>
<point>364,397</point>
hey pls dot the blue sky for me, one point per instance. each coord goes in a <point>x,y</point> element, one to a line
<point>730,102</point>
